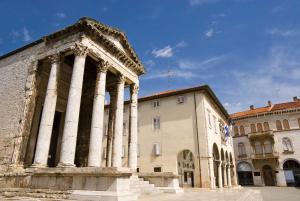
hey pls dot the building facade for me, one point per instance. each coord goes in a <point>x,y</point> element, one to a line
<point>182,132</point>
<point>266,143</point>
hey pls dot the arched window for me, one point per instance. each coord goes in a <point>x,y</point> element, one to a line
<point>259,127</point>
<point>253,128</point>
<point>242,130</point>
<point>278,125</point>
<point>286,124</point>
<point>258,148</point>
<point>236,131</point>
<point>287,144</point>
<point>299,122</point>
<point>268,147</point>
<point>266,126</point>
<point>242,150</point>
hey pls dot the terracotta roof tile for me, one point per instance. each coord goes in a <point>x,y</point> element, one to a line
<point>260,110</point>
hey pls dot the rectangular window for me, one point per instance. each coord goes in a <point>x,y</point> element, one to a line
<point>215,123</point>
<point>137,169</point>
<point>156,103</point>
<point>180,99</point>
<point>156,123</point>
<point>156,149</point>
<point>209,118</point>
<point>124,128</point>
<point>157,169</point>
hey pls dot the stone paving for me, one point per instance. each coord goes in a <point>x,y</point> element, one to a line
<point>278,193</point>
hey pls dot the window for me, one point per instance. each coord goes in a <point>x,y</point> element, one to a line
<point>242,130</point>
<point>156,149</point>
<point>278,125</point>
<point>242,150</point>
<point>180,99</point>
<point>287,144</point>
<point>266,126</point>
<point>236,131</point>
<point>137,169</point>
<point>268,147</point>
<point>257,148</point>
<point>215,123</point>
<point>157,169</point>
<point>253,128</point>
<point>286,124</point>
<point>156,103</point>
<point>208,117</point>
<point>124,128</point>
<point>259,127</point>
<point>156,123</point>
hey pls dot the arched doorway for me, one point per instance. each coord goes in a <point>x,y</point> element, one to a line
<point>291,169</point>
<point>244,172</point>
<point>216,157</point>
<point>268,175</point>
<point>186,168</point>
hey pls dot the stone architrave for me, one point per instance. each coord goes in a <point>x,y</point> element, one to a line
<point>68,146</point>
<point>118,125</point>
<point>133,137</point>
<point>46,125</point>
<point>95,147</point>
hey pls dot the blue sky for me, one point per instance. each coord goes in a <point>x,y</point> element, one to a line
<point>248,51</point>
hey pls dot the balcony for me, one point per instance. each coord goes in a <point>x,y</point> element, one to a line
<point>261,135</point>
<point>273,155</point>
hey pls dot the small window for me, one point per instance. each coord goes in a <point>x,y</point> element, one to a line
<point>253,128</point>
<point>124,128</point>
<point>215,123</point>
<point>242,130</point>
<point>157,169</point>
<point>286,124</point>
<point>242,150</point>
<point>287,144</point>
<point>156,103</point>
<point>156,149</point>
<point>278,125</point>
<point>137,169</point>
<point>180,99</point>
<point>259,127</point>
<point>268,147</point>
<point>266,126</point>
<point>156,123</point>
<point>209,118</point>
<point>236,131</point>
<point>258,148</point>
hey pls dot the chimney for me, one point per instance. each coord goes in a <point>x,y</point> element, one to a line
<point>295,98</point>
<point>251,107</point>
<point>269,103</point>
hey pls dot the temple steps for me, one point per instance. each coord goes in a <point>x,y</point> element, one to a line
<point>142,187</point>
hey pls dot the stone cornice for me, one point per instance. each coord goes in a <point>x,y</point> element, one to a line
<point>97,32</point>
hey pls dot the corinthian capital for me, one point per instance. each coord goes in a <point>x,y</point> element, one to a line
<point>103,66</point>
<point>134,89</point>
<point>80,50</point>
<point>55,58</point>
<point>121,79</point>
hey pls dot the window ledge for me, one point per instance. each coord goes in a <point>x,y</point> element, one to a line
<point>288,152</point>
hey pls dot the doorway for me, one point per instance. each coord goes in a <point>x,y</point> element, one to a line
<point>268,175</point>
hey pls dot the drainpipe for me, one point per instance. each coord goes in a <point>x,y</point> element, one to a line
<point>197,133</point>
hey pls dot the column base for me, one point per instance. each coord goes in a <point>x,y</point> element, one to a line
<point>38,165</point>
<point>66,165</point>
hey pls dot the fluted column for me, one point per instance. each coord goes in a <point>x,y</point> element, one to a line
<point>225,174</point>
<point>118,125</point>
<point>111,120</point>
<point>68,146</point>
<point>220,180</point>
<point>95,147</point>
<point>228,176</point>
<point>133,137</point>
<point>46,125</point>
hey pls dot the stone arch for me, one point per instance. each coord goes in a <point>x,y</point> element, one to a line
<point>244,172</point>
<point>222,155</point>
<point>216,153</point>
<point>186,168</point>
<point>291,168</point>
<point>268,175</point>
<point>216,162</point>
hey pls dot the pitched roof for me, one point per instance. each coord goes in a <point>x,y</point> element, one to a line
<point>99,32</point>
<point>266,109</point>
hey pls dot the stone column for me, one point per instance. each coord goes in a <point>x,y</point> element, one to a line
<point>118,125</point>
<point>133,137</point>
<point>225,174</point>
<point>111,120</point>
<point>68,146</point>
<point>220,180</point>
<point>95,147</point>
<point>45,130</point>
<point>228,175</point>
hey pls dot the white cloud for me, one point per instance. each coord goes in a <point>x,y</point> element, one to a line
<point>150,63</point>
<point>60,15</point>
<point>165,52</point>
<point>209,33</point>
<point>181,44</point>
<point>26,35</point>
<point>201,2</point>
<point>204,64</point>
<point>283,33</point>
<point>171,74</point>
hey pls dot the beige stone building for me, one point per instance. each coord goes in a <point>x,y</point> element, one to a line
<point>182,132</point>
<point>267,144</point>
